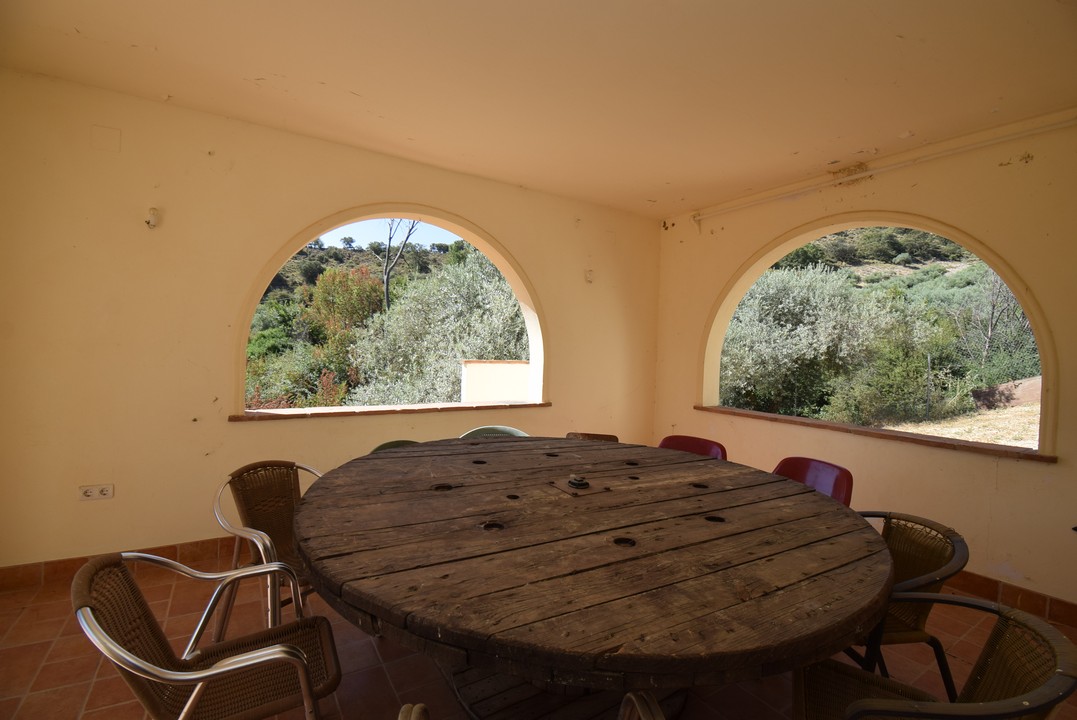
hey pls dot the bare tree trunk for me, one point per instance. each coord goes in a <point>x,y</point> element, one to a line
<point>389,260</point>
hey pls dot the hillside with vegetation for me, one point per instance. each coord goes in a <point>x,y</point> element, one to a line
<point>876,327</point>
<point>331,331</point>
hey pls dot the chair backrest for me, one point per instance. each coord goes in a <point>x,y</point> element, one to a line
<point>106,588</point>
<point>697,445</point>
<point>602,437</point>
<point>1024,669</point>
<point>493,431</point>
<point>826,477</point>
<point>1026,661</point>
<point>266,494</point>
<point>925,554</point>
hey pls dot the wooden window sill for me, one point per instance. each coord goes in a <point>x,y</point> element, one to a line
<point>350,411</point>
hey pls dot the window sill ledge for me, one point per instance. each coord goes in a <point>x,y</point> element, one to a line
<point>1005,451</point>
<point>350,411</point>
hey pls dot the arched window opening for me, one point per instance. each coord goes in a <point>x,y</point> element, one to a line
<point>388,312</point>
<point>886,327</point>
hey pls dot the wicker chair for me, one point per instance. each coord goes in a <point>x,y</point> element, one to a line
<point>254,676</point>
<point>493,431</point>
<point>640,705</point>
<point>925,554</point>
<point>413,712</point>
<point>1025,668</point>
<point>697,445</point>
<point>601,437</point>
<point>265,494</point>
<point>826,477</point>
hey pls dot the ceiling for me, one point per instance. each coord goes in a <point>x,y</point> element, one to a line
<point>656,107</point>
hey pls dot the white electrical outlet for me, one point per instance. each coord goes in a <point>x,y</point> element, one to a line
<point>96,492</point>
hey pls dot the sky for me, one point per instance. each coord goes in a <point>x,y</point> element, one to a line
<point>368,231</point>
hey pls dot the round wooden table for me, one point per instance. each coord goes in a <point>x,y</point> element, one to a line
<point>592,564</point>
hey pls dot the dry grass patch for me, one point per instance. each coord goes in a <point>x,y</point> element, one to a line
<point>1018,425</point>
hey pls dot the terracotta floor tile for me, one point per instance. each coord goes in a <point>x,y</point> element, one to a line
<point>66,672</point>
<point>19,666</point>
<point>128,711</point>
<point>64,703</point>
<point>411,672</point>
<point>108,692</point>
<point>27,630</point>
<point>9,707</point>
<point>49,671</point>
<point>367,694</point>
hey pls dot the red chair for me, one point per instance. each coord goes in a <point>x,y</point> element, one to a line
<point>827,478</point>
<point>697,445</point>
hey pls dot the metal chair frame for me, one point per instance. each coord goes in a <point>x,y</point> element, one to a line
<point>225,581</point>
<point>640,705</point>
<point>262,547</point>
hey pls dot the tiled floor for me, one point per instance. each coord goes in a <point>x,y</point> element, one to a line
<point>49,671</point>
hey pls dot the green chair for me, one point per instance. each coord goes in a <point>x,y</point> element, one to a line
<point>493,431</point>
<point>389,444</point>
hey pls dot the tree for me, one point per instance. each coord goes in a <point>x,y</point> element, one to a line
<point>412,353</point>
<point>388,258</point>
<point>794,331</point>
<point>347,243</point>
<point>994,336</point>
<point>342,301</point>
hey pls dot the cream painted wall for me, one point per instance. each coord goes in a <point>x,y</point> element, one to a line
<point>120,342</point>
<point>1012,202</point>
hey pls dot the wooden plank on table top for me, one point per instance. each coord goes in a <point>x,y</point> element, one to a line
<point>347,494</point>
<point>419,599</point>
<point>521,627</point>
<point>434,517</point>
<point>659,620</point>
<point>372,477</point>
<point>527,540</point>
<point>785,617</point>
<point>328,528</point>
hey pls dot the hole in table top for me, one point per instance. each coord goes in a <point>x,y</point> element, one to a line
<point>441,487</point>
<point>633,463</point>
<point>633,477</point>
<point>553,455</point>
<point>493,525</point>
<point>478,462</point>
<point>714,518</point>
<point>513,497</point>
<point>624,542</point>
<point>701,486</point>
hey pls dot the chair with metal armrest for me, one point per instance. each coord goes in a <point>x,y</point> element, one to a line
<point>265,494</point>
<point>253,676</point>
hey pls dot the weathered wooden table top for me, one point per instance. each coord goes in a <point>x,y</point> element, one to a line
<point>668,570</point>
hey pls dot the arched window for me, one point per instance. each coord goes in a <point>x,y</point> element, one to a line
<point>885,327</point>
<point>389,310</point>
